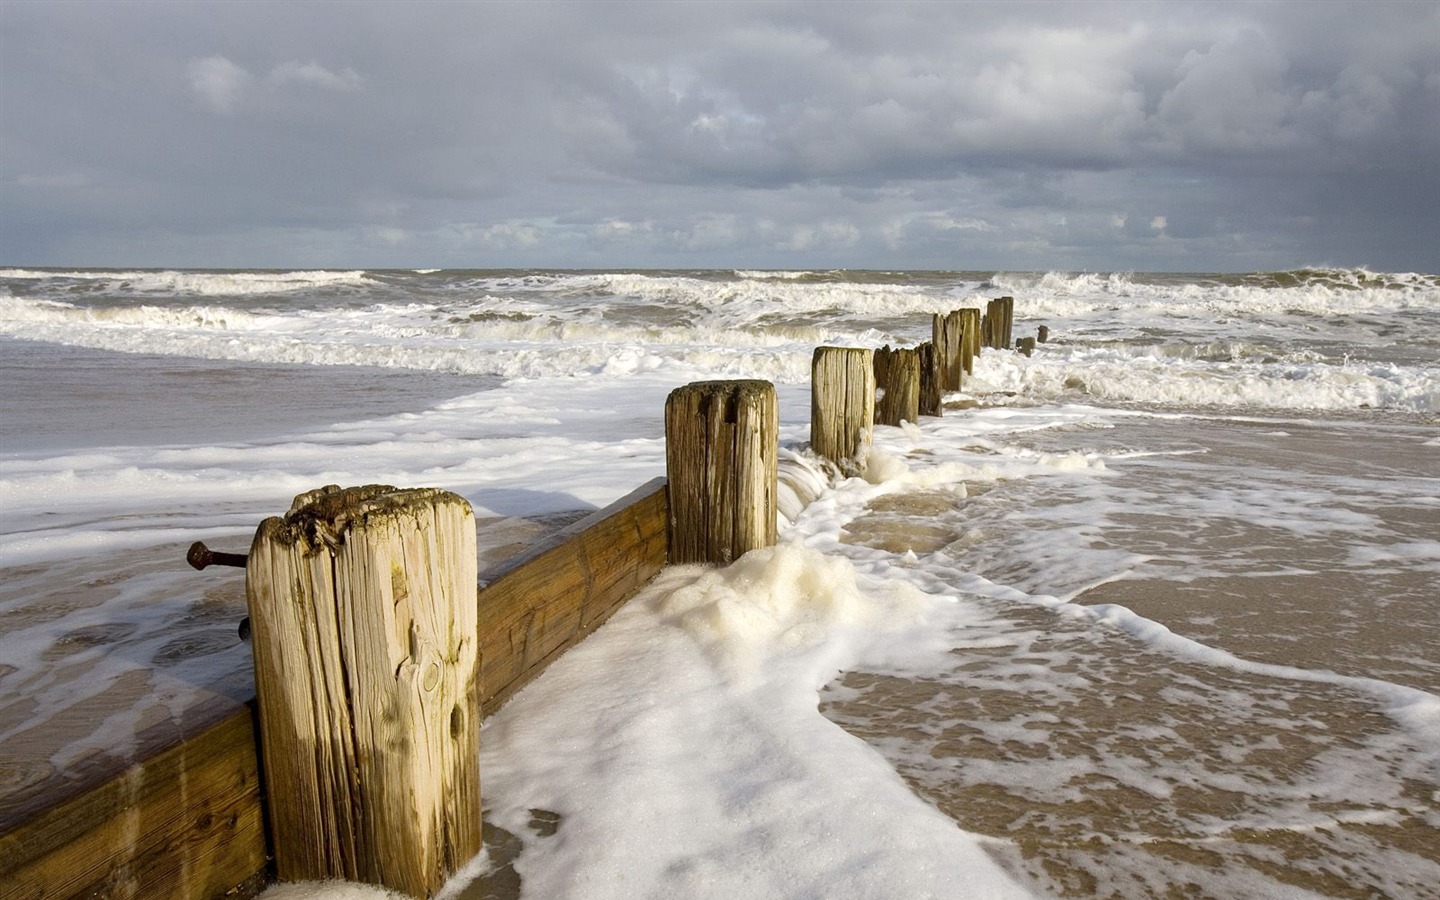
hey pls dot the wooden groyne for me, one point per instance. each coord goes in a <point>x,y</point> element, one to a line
<point>190,822</point>
<point>358,757</point>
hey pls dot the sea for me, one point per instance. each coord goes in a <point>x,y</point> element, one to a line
<point>1151,612</point>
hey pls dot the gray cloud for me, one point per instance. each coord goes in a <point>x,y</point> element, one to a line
<point>899,134</point>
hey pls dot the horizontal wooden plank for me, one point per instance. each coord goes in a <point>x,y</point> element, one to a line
<point>186,823</point>
<point>535,606</point>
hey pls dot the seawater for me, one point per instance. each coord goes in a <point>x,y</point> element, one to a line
<point>1150,613</point>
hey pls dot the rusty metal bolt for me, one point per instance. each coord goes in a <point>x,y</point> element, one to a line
<point>200,556</point>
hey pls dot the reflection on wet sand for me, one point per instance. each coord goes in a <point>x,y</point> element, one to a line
<point>1102,768</point>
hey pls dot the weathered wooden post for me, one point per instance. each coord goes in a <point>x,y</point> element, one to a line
<point>1025,345</point>
<point>999,322</point>
<point>363,620</point>
<point>880,360</point>
<point>897,377</point>
<point>721,458</point>
<point>947,333</point>
<point>990,325</point>
<point>1042,334</point>
<point>969,338</point>
<point>842,405</point>
<point>931,397</point>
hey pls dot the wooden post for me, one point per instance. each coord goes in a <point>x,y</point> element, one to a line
<point>842,405</point>
<point>897,376</point>
<point>1025,345</point>
<point>969,338</point>
<point>881,361</point>
<point>947,332</point>
<point>1042,334</point>
<point>363,619</point>
<point>999,322</point>
<point>721,452</point>
<point>931,397</point>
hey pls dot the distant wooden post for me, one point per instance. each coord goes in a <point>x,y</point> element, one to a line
<point>1025,345</point>
<point>897,378</point>
<point>931,397</point>
<point>363,620</point>
<point>721,458</point>
<point>969,338</point>
<point>999,322</point>
<point>1042,334</point>
<point>947,332</point>
<point>842,405</point>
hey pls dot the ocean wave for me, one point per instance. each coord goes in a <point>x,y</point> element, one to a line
<point>757,297</point>
<point>62,323</point>
<point>775,275</point>
<point>1317,292</point>
<point>195,282</point>
<point>1162,381</point>
<point>510,350</point>
<point>1345,279</point>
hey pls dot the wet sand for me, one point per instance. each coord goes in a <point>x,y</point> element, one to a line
<point>1102,766</point>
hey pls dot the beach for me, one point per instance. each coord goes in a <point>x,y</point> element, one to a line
<point>1150,612</point>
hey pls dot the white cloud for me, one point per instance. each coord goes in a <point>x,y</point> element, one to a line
<point>1232,97</point>
<point>218,81</point>
<point>314,75</point>
<point>222,85</point>
<point>507,236</point>
<point>616,230</point>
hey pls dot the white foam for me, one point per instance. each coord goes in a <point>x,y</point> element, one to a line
<point>685,756</point>
<point>194,282</point>
<point>1105,374</point>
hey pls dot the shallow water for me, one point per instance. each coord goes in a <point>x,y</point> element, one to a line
<point>59,398</point>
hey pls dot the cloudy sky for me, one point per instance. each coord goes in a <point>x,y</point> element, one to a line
<point>1214,136</point>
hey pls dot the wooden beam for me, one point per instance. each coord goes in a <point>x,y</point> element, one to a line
<point>535,606</point>
<point>184,824</point>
